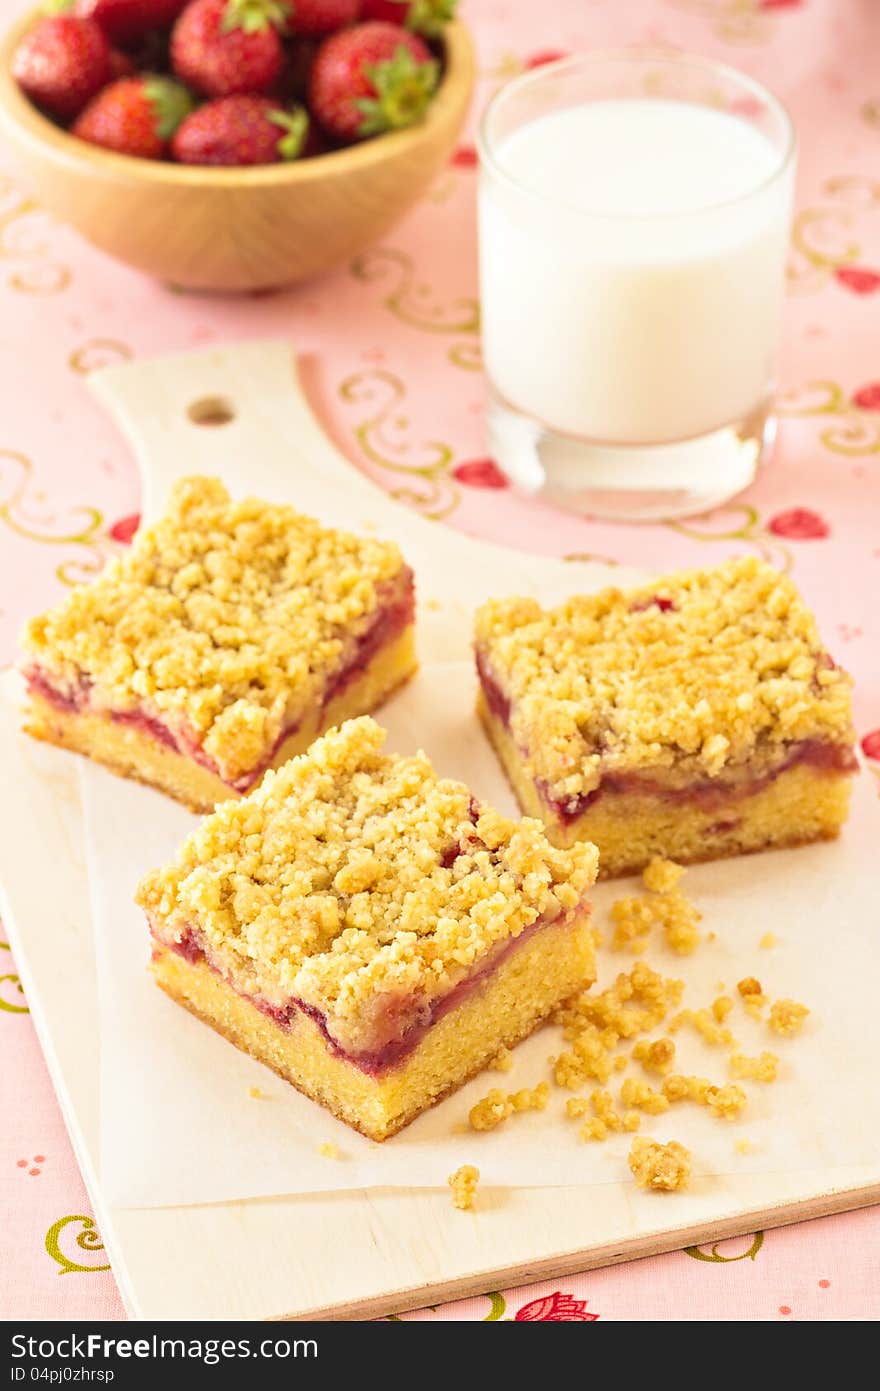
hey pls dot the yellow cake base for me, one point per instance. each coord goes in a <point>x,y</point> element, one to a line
<point>802,805</point>
<point>500,1011</point>
<point>133,753</point>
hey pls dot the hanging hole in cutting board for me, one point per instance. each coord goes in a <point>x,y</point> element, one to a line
<point>211,410</point>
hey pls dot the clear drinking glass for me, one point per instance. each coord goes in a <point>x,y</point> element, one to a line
<point>634,219</point>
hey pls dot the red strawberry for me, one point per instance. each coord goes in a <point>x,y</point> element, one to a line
<point>125,528</point>
<point>121,64</point>
<point>545,56</point>
<point>241,130</point>
<point>867,398</point>
<point>421,16</point>
<point>135,116</point>
<point>126,21</point>
<point>481,473</point>
<point>799,524</point>
<point>221,47</point>
<point>62,62</point>
<point>371,78</point>
<point>871,744</point>
<point>858,279</point>
<point>309,18</point>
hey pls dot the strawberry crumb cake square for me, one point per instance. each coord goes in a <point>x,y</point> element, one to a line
<point>225,640</point>
<point>369,930</point>
<point>695,717</point>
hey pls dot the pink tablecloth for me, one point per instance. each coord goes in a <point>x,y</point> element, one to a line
<point>395,341</point>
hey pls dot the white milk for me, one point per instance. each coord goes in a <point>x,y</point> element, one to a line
<point>619,304</point>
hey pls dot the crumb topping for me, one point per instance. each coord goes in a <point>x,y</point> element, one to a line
<point>719,676</point>
<point>661,876</point>
<point>464,1186</point>
<point>760,1069</point>
<point>663,1168</point>
<point>496,1107</point>
<point>360,883</point>
<point>223,620</point>
<point>786,1016</point>
<point>657,1056</point>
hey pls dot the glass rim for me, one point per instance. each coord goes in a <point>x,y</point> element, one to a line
<point>672,57</point>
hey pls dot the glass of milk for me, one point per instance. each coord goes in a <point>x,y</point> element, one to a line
<point>634,218</point>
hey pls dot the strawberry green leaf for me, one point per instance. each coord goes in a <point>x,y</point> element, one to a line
<point>170,101</point>
<point>403,89</point>
<point>429,17</point>
<point>295,124</point>
<point>253,16</point>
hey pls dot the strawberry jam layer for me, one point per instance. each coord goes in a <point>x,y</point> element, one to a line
<point>709,793</point>
<point>405,1023</point>
<point>392,618</point>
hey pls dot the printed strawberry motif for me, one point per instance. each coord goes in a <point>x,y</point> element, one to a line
<point>871,744</point>
<point>312,18</point>
<point>779,4</point>
<point>480,473</point>
<point>867,398</point>
<point>465,157</point>
<point>858,279</point>
<point>62,62</point>
<point>123,530</point>
<point>221,47</point>
<point>555,1308</point>
<point>135,116</point>
<point>126,21</point>
<point>241,130</point>
<point>544,56</point>
<point>799,524</point>
<point>421,16</point>
<point>371,78</point>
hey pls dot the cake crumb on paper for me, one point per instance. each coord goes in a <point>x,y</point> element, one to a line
<point>661,876</point>
<point>768,940</point>
<point>760,1069</point>
<point>637,1095</point>
<point>752,996</point>
<point>743,1146</point>
<point>502,1062</point>
<point>786,1017</point>
<point>657,1056</point>
<point>257,1094</point>
<point>464,1187</point>
<point>663,1168</point>
<point>496,1106</point>
<point>328,1150</point>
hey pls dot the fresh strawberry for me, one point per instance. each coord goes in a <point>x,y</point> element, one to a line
<point>371,78</point>
<point>121,64</point>
<point>311,18</point>
<point>241,130</point>
<point>126,21</point>
<point>221,47</point>
<point>135,116</point>
<point>421,16</point>
<point>62,62</point>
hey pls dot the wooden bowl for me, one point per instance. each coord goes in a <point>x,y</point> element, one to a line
<point>236,229</point>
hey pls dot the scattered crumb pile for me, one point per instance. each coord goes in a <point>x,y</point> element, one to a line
<point>663,906</point>
<point>640,1002</point>
<point>661,1168</point>
<point>464,1186</point>
<point>495,1107</point>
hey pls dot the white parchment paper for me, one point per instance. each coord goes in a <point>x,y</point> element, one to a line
<point>178,1122</point>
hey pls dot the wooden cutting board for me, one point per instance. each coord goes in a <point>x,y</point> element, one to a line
<point>335,1255</point>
